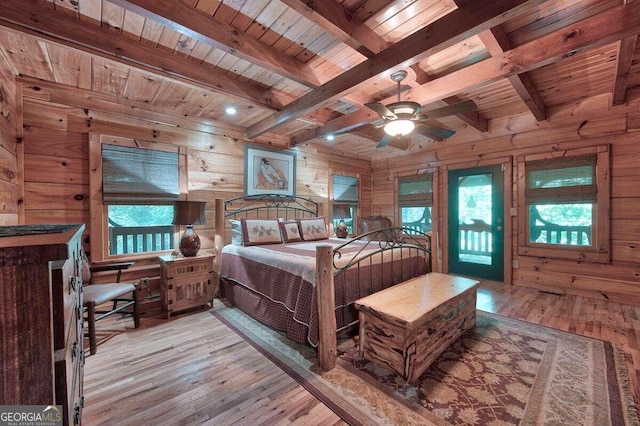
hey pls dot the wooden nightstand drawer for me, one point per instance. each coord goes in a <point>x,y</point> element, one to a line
<point>187,282</point>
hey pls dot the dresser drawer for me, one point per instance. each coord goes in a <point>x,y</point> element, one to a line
<point>69,365</point>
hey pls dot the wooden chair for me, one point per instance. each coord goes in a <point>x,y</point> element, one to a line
<point>374,223</point>
<point>99,294</point>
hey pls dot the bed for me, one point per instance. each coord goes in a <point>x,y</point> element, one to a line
<point>282,267</point>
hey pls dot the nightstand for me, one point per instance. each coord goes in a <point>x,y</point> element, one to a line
<point>187,282</point>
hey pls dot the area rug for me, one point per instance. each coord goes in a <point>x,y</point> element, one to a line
<point>503,372</point>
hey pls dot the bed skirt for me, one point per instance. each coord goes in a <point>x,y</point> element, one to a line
<point>268,312</point>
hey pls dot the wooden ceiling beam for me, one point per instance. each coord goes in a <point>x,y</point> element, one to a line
<point>355,33</point>
<point>626,49</point>
<point>497,42</point>
<point>187,20</point>
<point>610,26</point>
<point>590,33</point>
<point>38,18</point>
<point>449,30</point>
<point>341,23</point>
<point>336,126</point>
<point>472,118</point>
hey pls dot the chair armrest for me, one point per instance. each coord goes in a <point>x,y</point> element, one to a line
<point>112,267</point>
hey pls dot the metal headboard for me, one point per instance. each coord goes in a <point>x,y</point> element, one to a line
<point>270,206</point>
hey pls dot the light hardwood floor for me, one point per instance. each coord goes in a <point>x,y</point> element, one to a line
<point>193,370</point>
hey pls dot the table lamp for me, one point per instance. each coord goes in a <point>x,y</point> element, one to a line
<point>341,211</point>
<point>189,213</point>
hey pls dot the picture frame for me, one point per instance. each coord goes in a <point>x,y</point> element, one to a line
<point>269,171</point>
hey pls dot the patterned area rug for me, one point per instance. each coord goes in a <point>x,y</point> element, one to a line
<point>505,372</point>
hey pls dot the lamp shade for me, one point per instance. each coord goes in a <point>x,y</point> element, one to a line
<point>189,213</point>
<point>341,211</point>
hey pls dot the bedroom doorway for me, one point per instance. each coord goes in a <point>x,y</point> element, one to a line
<point>476,222</point>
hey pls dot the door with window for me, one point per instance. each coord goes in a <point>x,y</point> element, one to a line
<point>476,222</point>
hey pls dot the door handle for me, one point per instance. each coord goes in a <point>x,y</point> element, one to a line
<point>499,228</point>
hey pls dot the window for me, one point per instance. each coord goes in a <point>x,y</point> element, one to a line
<point>345,201</point>
<point>415,201</point>
<point>138,190</point>
<point>566,201</point>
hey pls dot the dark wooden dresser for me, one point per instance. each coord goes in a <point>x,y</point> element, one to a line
<point>41,317</point>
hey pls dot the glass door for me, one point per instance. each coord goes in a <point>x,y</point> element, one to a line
<point>476,222</point>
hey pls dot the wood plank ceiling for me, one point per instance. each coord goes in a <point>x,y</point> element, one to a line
<point>299,70</point>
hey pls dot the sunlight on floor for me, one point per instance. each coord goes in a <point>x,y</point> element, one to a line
<point>485,301</point>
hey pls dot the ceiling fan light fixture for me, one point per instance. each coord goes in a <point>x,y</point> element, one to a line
<point>400,127</point>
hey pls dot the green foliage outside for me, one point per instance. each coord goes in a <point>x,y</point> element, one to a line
<point>140,240</point>
<point>136,215</point>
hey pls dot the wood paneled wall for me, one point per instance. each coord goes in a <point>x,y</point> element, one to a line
<point>58,119</point>
<point>57,123</point>
<point>596,124</point>
<point>9,147</point>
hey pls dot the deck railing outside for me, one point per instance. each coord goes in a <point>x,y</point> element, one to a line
<point>415,228</point>
<point>140,239</point>
<point>560,234</point>
<point>476,238</point>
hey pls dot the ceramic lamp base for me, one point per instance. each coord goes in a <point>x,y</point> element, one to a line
<point>341,230</point>
<point>190,242</point>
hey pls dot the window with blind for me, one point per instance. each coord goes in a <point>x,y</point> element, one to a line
<point>139,187</point>
<point>415,201</point>
<point>345,200</point>
<point>566,205</point>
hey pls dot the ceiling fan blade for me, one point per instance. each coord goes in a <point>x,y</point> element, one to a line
<point>378,123</point>
<point>433,132</point>
<point>384,141</point>
<point>382,110</point>
<point>452,109</point>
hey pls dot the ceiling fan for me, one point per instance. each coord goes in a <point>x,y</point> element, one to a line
<point>402,117</point>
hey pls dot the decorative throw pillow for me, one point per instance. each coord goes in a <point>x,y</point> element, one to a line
<point>260,231</point>
<point>236,233</point>
<point>290,231</point>
<point>313,229</point>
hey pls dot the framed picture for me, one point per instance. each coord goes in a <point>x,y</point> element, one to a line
<point>268,171</point>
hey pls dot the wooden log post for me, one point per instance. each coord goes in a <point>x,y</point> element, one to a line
<point>218,243</point>
<point>326,299</point>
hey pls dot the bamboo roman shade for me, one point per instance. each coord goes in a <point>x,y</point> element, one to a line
<point>561,180</point>
<point>345,189</point>
<point>415,190</point>
<point>139,176</point>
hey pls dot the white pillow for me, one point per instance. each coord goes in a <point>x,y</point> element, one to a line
<point>236,232</point>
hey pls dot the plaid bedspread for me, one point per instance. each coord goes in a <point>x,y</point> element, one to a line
<point>276,283</point>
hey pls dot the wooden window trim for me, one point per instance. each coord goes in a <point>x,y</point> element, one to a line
<point>99,243</point>
<point>435,217</point>
<point>600,250</point>
<point>355,205</point>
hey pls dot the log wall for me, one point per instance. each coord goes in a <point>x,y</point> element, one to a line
<point>45,178</point>
<point>10,149</point>
<point>590,123</point>
<point>58,121</point>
